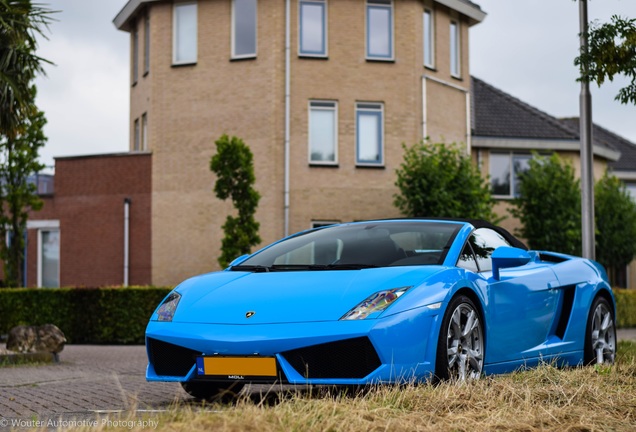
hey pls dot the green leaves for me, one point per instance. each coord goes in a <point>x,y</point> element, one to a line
<point>439,180</point>
<point>611,51</point>
<point>549,206</point>
<point>615,224</point>
<point>233,165</point>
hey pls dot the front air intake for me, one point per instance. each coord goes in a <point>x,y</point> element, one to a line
<point>349,358</point>
<point>169,359</point>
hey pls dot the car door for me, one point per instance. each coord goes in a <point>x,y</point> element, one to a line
<point>521,304</point>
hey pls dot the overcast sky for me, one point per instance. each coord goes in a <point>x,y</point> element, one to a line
<point>525,48</point>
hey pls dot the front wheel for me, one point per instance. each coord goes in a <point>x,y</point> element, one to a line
<point>460,348</point>
<point>600,333</point>
<point>212,391</point>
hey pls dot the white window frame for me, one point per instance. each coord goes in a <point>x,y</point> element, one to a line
<point>323,105</point>
<point>46,226</point>
<point>380,4</point>
<point>147,43</point>
<point>455,48</point>
<point>513,175</point>
<point>136,135</point>
<point>377,109</point>
<point>325,26</point>
<point>174,34</point>
<point>144,132</point>
<point>234,29</point>
<point>428,38</point>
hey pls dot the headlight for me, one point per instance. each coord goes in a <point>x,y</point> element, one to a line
<point>375,304</point>
<point>168,307</point>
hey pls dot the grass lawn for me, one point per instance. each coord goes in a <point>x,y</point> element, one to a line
<point>576,399</point>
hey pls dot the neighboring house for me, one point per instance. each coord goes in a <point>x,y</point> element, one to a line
<point>507,130</point>
<point>94,227</point>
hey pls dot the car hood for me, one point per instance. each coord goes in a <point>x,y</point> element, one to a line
<point>288,297</point>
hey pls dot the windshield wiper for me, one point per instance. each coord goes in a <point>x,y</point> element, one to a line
<point>251,268</point>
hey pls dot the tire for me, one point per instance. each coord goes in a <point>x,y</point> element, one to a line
<point>212,391</point>
<point>600,333</point>
<point>460,347</point>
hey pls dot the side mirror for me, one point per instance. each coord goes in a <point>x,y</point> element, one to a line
<point>238,260</point>
<point>506,257</point>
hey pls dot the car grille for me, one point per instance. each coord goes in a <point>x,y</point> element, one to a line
<point>349,358</point>
<point>169,359</point>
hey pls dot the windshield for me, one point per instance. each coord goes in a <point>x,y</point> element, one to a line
<point>358,245</point>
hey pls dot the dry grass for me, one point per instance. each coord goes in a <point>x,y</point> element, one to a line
<point>547,398</point>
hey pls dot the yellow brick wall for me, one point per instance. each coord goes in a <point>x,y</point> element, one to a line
<point>189,107</point>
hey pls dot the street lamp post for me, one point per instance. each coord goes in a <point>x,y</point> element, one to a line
<point>585,124</point>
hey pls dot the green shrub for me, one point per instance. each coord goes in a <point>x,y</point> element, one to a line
<point>85,315</point>
<point>625,307</point>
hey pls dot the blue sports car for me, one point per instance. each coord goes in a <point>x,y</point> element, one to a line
<point>385,301</point>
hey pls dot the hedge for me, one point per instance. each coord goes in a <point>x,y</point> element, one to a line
<point>120,315</point>
<point>85,315</point>
<point>625,307</point>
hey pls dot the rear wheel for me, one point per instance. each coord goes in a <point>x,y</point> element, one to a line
<point>600,334</point>
<point>460,348</point>
<point>212,391</point>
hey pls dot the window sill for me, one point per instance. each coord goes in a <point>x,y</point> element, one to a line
<point>313,56</point>
<point>457,77</point>
<point>370,166</point>
<point>431,68</point>
<point>323,165</point>
<point>178,65</point>
<point>242,58</point>
<point>379,60</point>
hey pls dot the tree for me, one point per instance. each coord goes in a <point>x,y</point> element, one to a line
<point>21,124</point>
<point>615,225</point>
<point>439,180</point>
<point>611,51</point>
<point>20,22</point>
<point>19,161</point>
<point>549,206</point>
<point>233,165</point>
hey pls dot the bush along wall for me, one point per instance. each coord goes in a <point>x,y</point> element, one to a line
<point>85,315</point>
<point>625,307</point>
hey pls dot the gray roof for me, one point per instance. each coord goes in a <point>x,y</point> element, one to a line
<point>502,120</point>
<point>627,161</point>
<point>498,114</point>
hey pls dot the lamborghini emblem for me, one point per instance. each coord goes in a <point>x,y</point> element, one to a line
<point>249,314</point>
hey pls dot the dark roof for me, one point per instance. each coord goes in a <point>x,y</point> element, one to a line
<point>627,161</point>
<point>498,114</point>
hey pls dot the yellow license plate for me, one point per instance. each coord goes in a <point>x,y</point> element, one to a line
<point>237,366</point>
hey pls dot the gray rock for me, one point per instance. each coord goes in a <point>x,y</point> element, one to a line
<point>30,339</point>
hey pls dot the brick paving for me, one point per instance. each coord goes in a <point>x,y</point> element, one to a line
<point>95,380</point>
<point>88,379</point>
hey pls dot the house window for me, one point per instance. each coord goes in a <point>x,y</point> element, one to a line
<point>184,49</point>
<point>631,189</point>
<point>147,44</point>
<point>49,258</point>
<point>243,28</point>
<point>135,54</point>
<point>380,29</point>
<point>505,169</point>
<point>369,133</point>
<point>455,50</point>
<point>429,39</point>
<point>144,132</point>
<point>323,223</point>
<point>136,137</point>
<point>323,132</point>
<point>313,28</point>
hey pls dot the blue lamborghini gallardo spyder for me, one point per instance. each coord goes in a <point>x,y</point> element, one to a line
<point>387,301</point>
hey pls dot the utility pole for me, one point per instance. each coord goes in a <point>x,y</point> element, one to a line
<point>587,173</point>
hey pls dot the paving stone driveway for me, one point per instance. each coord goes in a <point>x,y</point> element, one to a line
<point>94,380</point>
<point>87,380</point>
